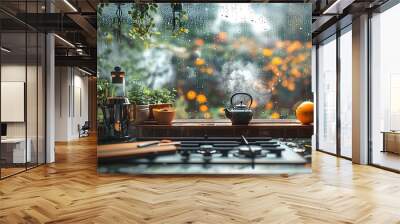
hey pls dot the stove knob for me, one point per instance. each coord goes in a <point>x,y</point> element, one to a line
<point>224,153</point>
<point>207,158</point>
<point>207,153</point>
<point>185,153</point>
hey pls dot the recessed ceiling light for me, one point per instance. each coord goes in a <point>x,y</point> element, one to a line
<point>337,7</point>
<point>5,50</point>
<point>65,41</point>
<point>84,71</point>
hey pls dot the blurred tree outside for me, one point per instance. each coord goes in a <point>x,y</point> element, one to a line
<point>260,48</point>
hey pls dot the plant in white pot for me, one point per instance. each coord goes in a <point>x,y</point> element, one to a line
<point>139,96</point>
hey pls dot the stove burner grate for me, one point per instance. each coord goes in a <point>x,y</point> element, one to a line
<point>241,148</point>
<point>249,151</point>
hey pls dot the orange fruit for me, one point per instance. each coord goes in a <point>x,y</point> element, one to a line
<point>203,108</point>
<point>222,36</point>
<point>199,42</point>
<point>191,95</point>
<point>276,61</point>
<point>275,115</point>
<point>269,106</point>
<point>209,71</point>
<point>294,46</point>
<point>201,98</point>
<point>305,112</point>
<point>267,52</point>
<point>199,61</point>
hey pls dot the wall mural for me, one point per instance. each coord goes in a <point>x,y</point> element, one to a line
<point>163,67</point>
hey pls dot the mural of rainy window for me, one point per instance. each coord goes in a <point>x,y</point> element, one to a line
<point>196,56</point>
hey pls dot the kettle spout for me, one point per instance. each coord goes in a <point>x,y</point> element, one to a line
<point>228,113</point>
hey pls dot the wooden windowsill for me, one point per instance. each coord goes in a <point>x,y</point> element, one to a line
<point>224,128</point>
<point>227,123</point>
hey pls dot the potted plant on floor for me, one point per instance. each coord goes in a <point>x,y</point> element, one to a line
<point>161,99</point>
<point>139,96</point>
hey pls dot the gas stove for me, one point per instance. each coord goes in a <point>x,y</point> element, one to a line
<point>218,155</point>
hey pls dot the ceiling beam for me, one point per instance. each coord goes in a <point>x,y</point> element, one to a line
<point>337,7</point>
<point>79,61</point>
<point>90,31</point>
<point>320,23</point>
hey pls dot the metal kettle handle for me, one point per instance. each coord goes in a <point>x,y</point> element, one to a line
<point>251,98</point>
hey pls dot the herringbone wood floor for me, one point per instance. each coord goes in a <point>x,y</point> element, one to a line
<point>70,191</point>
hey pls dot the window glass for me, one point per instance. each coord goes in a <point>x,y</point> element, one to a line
<point>207,52</point>
<point>385,86</point>
<point>346,94</point>
<point>327,96</point>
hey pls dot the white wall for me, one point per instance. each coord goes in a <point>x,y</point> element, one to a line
<point>33,127</point>
<point>71,102</point>
<point>16,73</point>
<point>12,73</point>
<point>62,82</point>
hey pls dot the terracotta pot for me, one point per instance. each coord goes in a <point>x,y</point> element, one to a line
<point>158,106</point>
<point>142,113</point>
<point>164,116</point>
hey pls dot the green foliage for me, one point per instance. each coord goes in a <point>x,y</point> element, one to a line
<point>104,90</point>
<point>142,15</point>
<point>100,8</point>
<point>139,94</point>
<point>180,20</point>
<point>163,95</point>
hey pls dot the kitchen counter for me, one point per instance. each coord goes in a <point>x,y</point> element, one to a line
<point>188,156</point>
<point>192,128</point>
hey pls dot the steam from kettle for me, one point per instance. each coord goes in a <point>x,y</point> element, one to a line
<point>238,76</point>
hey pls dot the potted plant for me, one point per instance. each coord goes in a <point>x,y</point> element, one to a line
<point>161,99</point>
<point>139,96</point>
<point>104,90</point>
<point>165,115</point>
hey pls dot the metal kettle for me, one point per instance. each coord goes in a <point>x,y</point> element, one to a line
<point>240,114</point>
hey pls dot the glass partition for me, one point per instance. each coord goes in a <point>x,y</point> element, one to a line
<point>22,91</point>
<point>13,94</point>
